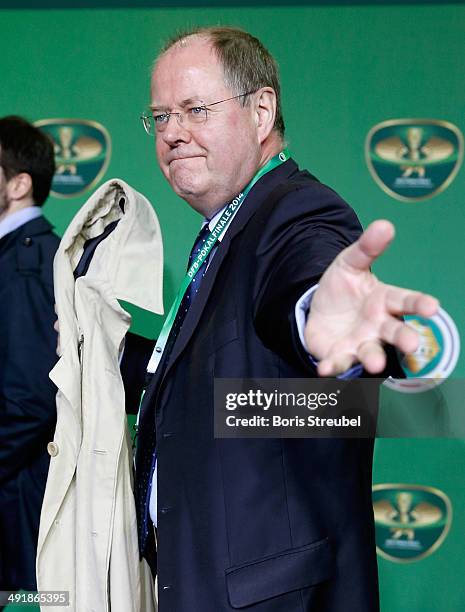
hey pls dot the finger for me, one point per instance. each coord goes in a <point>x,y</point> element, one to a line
<point>337,364</point>
<point>399,334</point>
<point>372,356</point>
<point>405,301</point>
<point>374,241</point>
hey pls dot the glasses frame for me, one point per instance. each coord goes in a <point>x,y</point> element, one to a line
<point>148,119</point>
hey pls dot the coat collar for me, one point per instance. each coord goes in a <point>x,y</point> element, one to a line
<point>35,227</point>
<point>16,218</point>
<point>129,268</point>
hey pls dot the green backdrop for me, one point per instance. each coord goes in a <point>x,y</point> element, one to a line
<point>344,69</point>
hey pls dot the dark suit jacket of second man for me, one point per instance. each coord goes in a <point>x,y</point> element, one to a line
<point>27,396</point>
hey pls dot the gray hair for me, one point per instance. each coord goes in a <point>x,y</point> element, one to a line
<point>247,64</point>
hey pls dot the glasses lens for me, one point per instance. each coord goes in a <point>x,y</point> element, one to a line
<point>196,114</point>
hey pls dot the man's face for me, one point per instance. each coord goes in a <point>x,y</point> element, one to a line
<point>207,164</point>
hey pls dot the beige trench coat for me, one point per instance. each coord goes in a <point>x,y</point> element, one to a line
<point>88,531</point>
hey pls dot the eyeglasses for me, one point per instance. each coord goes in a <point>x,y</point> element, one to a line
<point>192,116</point>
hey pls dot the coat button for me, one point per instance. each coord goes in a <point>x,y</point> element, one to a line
<point>27,241</point>
<point>52,449</point>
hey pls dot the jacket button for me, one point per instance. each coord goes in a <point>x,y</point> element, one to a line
<point>167,434</point>
<point>52,449</point>
<point>27,241</point>
<point>166,587</point>
<point>165,510</point>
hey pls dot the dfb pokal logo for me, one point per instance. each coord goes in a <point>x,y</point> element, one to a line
<point>411,521</point>
<point>435,358</point>
<point>82,154</point>
<point>414,159</point>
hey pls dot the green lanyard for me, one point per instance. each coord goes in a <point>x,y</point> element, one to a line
<point>215,234</point>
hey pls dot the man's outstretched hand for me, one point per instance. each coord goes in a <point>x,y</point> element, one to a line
<point>353,313</point>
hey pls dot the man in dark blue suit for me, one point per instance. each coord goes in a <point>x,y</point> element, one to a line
<point>269,525</point>
<point>27,344</point>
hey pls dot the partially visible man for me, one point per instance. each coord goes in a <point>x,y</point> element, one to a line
<point>27,344</point>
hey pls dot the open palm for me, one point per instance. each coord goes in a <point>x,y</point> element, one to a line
<point>353,313</point>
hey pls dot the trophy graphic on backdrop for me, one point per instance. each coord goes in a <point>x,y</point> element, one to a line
<point>411,520</point>
<point>72,151</point>
<point>404,516</point>
<point>414,154</point>
<point>414,159</point>
<point>82,154</point>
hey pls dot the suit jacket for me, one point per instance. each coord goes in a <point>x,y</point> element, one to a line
<point>27,396</point>
<point>269,525</point>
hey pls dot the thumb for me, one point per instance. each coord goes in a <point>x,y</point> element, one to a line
<point>371,244</point>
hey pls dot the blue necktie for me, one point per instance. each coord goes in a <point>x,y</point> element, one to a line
<point>191,290</point>
<point>194,286</point>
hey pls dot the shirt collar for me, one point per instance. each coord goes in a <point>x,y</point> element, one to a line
<point>15,220</point>
<point>214,220</point>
